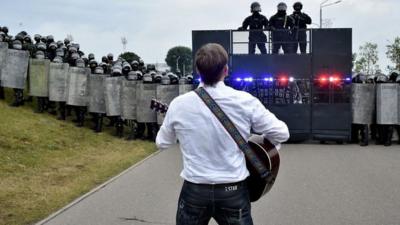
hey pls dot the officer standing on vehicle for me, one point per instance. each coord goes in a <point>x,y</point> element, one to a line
<point>257,22</point>
<point>281,26</point>
<point>299,33</point>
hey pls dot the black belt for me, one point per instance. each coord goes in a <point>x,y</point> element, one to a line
<point>217,186</point>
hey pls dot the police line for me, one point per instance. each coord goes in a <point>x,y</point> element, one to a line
<point>101,93</point>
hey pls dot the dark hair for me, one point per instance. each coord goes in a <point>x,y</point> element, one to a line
<point>210,61</point>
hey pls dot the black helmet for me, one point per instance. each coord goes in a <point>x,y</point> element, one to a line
<point>39,55</point>
<point>50,38</point>
<point>393,75</point>
<point>27,39</point>
<point>110,56</point>
<point>147,78</point>
<point>92,63</point>
<point>17,44</point>
<point>57,59</point>
<point>43,39</point>
<point>23,33</point>
<point>59,44</point>
<point>190,78</point>
<point>141,62</point>
<point>53,46</point>
<point>91,56</point>
<point>41,46</point>
<point>139,75</point>
<point>19,37</point>
<point>126,66</point>
<point>60,52</point>
<point>99,70</point>
<point>37,37</point>
<point>255,7</point>
<point>151,67</point>
<point>297,6</point>
<point>116,69</point>
<point>104,59</point>
<point>132,75</point>
<point>282,6</point>
<point>5,30</point>
<point>75,56</point>
<point>157,78</point>
<point>66,41</point>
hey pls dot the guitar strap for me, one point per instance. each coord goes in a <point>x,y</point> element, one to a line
<point>233,131</point>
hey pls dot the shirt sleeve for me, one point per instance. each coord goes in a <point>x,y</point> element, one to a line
<point>264,122</point>
<point>166,136</point>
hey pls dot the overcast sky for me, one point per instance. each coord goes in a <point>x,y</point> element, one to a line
<point>154,26</point>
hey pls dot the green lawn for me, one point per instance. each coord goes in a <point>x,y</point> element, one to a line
<point>46,163</point>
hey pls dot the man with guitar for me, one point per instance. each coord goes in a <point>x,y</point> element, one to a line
<point>211,124</point>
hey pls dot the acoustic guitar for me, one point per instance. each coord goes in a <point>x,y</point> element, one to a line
<point>266,152</point>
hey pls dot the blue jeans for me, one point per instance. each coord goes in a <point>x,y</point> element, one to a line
<point>228,204</point>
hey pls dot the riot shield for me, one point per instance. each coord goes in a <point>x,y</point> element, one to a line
<point>3,56</point>
<point>112,88</point>
<point>165,94</point>
<point>128,99</point>
<point>387,104</point>
<point>58,82</point>
<point>15,70</point>
<point>185,88</point>
<point>97,101</point>
<point>77,86</point>
<point>39,77</point>
<point>363,103</point>
<point>144,114</point>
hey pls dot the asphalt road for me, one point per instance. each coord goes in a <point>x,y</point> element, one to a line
<point>317,184</point>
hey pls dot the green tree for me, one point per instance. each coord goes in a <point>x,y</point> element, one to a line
<point>130,56</point>
<point>367,59</point>
<point>181,56</point>
<point>393,53</point>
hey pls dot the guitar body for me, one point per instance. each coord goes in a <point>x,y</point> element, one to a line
<point>269,156</point>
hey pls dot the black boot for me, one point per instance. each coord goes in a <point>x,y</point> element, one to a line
<point>61,109</point>
<point>364,135</point>
<point>99,123</point>
<point>2,96</point>
<point>119,125</point>
<point>140,130</point>
<point>133,128</point>
<point>389,135</point>
<point>15,103</point>
<point>39,105</point>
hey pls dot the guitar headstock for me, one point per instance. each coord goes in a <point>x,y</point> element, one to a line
<point>158,106</point>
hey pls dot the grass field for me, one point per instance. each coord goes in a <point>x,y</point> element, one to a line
<point>46,163</point>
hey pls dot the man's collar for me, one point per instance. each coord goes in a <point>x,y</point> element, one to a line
<point>217,85</point>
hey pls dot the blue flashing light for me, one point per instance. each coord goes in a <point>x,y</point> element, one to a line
<point>238,79</point>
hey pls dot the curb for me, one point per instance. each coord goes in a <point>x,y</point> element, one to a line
<point>93,191</point>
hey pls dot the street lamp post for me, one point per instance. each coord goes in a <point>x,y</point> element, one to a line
<point>323,5</point>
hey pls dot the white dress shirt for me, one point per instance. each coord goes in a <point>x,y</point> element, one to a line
<point>210,155</point>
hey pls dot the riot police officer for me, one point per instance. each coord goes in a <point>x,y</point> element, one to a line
<point>360,129</point>
<point>385,132</point>
<point>18,93</point>
<point>257,22</point>
<point>299,33</point>
<point>281,26</point>
<point>117,121</point>
<point>98,117</point>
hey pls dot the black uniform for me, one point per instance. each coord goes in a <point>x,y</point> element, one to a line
<point>256,22</point>
<point>359,129</point>
<point>299,32</point>
<point>281,26</point>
